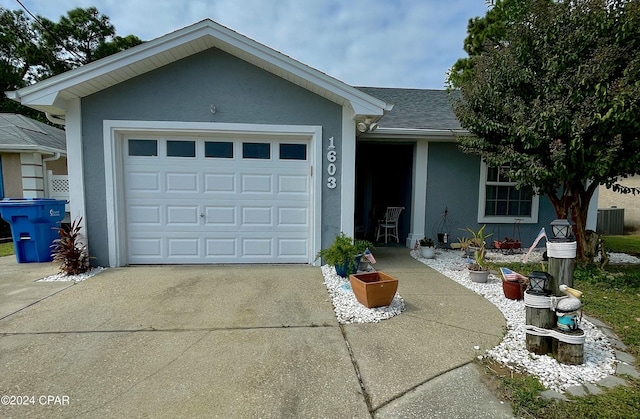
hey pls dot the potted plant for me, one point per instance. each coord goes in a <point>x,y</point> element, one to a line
<point>463,244</point>
<point>477,240</point>
<point>344,254</point>
<point>479,268</point>
<point>513,284</point>
<point>427,247</point>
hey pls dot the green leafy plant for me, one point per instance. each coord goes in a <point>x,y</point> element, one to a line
<point>479,263</point>
<point>343,251</point>
<point>427,242</point>
<point>478,238</point>
<point>72,254</point>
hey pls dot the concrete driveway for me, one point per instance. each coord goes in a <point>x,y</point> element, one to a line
<point>239,341</point>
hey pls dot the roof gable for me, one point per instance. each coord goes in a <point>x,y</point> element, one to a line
<point>52,95</point>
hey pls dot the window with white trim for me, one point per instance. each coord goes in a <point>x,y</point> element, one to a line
<point>501,202</point>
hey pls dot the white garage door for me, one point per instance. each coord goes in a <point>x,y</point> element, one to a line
<point>217,201</point>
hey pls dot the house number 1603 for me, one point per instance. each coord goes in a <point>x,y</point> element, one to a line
<point>332,156</point>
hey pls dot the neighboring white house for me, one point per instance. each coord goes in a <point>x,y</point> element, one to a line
<point>33,162</point>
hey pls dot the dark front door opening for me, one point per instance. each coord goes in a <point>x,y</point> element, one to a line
<point>383,179</point>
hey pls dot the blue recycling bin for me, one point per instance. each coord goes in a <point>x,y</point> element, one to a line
<point>34,226</point>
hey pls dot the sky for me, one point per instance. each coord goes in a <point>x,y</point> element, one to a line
<point>377,43</point>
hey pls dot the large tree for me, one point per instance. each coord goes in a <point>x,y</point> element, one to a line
<point>558,99</point>
<point>34,49</point>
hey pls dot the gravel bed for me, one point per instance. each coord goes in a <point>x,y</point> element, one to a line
<point>348,309</point>
<point>61,277</point>
<point>599,359</point>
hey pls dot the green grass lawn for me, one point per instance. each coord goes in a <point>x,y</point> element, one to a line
<point>6,249</point>
<point>623,244</point>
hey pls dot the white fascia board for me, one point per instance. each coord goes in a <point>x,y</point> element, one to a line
<point>416,133</point>
<point>44,90</point>
<point>31,148</point>
<point>50,102</point>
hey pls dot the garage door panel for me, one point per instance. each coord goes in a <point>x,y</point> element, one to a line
<point>219,183</point>
<point>186,247</point>
<point>183,215</point>
<point>257,247</point>
<point>151,247</point>
<point>219,216</point>
<point>293,247</point>
<point>293,185</point>
<point>143,182</point>
<point>181,182</point>
<point>257,216</point>
<point>144,215</point>
<point>226,248</point>
<point>291,216</point>
<point>259,183</point>
<point>210,210</point>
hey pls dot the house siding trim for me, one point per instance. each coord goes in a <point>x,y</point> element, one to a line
<point>419,193</point>
<point>348,176</point>
<point>77,207</point>
<point>114,132</point>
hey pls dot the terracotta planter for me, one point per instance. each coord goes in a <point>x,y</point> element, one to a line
<point>374,289</point>
<point>513,290</point>
<point>479,276</point>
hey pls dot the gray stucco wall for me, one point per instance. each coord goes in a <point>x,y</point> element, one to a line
<point>453,182</point>
<point>184,91</point>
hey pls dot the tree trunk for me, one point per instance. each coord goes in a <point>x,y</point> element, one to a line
<point>573,203</point>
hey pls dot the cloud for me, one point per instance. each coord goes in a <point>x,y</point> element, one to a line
<point>401,43</point>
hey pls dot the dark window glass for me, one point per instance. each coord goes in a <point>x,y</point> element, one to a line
<point>293,151</point>
<point>218,149</point>
<point>256,150</point>
<point>507,201</point>
<point>143,147</point>
<point>181,148</point>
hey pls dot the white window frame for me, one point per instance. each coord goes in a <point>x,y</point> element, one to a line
<point>482,201</point>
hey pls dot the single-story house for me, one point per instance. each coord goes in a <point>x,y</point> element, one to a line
<point>33,162</point>
<point>205,146</point>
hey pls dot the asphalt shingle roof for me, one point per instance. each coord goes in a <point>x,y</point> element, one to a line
<point>21,132</point>
<point>416,108</point>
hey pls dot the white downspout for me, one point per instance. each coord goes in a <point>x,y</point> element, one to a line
<point>56,119</point>
<point>45,172</point>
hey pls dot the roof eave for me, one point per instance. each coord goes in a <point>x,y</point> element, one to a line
<point>6,148</point>
<point>417,133</point>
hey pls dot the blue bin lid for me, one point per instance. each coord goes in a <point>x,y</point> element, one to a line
<point>30,201</point>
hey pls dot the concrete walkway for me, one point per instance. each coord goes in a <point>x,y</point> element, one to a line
<point>240,341</point>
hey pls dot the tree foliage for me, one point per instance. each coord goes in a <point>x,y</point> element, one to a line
<point>481,31</point>
<point>558,98</point>
<point>35,49</point>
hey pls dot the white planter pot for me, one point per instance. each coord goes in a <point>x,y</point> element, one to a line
<point>428,252</point>
<point>479,276</point>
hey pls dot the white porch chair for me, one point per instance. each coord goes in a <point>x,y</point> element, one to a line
<point>389,226</point>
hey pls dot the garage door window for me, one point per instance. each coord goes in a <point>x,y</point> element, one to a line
<point>256,151</point>
<point>218,149</point>
<point>143,147</point>
<point>293,151</point>
<point>181,148</point>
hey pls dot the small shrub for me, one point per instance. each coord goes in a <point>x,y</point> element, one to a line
<point>72,255</point>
